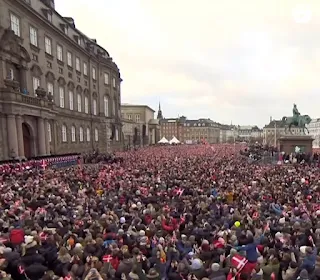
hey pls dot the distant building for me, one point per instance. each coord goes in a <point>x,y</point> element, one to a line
<point>249,133</point>
<point>314,131</point>
<point>190,131</point>
<point>274,130</point>
<point>146,126</point>
<point>172,127</point>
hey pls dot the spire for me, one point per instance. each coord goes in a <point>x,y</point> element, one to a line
<point>159,116</point>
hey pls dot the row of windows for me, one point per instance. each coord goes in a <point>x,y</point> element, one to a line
<point>81,134</point>
<point>34,40</point>
<point>137,117</point>
<point>50,89</point>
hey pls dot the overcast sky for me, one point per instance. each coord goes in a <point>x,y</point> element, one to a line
<point>240,61</point>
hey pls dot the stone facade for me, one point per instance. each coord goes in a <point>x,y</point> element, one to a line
<point>147,132</point>
<point>190,131</point>
<point>59,90</point>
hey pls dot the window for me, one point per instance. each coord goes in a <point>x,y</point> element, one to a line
<point>81,134</point>
<point>88,134</point>
<point>117,134</point>
<point>48,45</point>
<point>106,78</point>
<point>94,76</point>
<point>36,84</point>
<point>61,96</point>
<point>114,82</point>
<point>15,24</point>
<point>78,64</point>
<point>96,135</point>
<point>50,88</point>
<point>59,53</point>
<point>106,106</point>
<point>49,16</point>
<point>130,117</point>
<point>94,109</point>
<point>33,36</point>
<point>79,41</point>
<point>138,118</point>
<point>85,68</point>
<point>69,59</point>
<point>71,100</point>
<point>65,29</point>
<point>79,102</point>
<point>49,133</point>
<point>73,134</point>
<point>86,105</point>
<point>64,133</point>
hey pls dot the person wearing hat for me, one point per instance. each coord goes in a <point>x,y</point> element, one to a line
<point>153,274</point>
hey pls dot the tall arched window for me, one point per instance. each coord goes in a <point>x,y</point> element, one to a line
<point>86,104</point>
<point>106,105</point>
<point>81,134</point>
<point>94,106</point>
<point>49,133</point>
<point>73,134</point>
<point>61,97</point>
<point>88,134</point>
<point>79,102</point>
<point>96,135</point>
<point>64,133</point>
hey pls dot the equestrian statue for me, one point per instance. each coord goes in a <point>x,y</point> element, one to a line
<point>297,120</point>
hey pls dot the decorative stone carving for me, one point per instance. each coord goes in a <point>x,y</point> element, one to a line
<point>41,92</point>
<point>79,89</point>
<point>36,70</point>
<point>10,43</point>
<point>12,84</point>
<point>50,77</point>
<point>61,82</point>
<point>71,85</point>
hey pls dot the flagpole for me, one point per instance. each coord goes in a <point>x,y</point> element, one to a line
<point>275,133</point>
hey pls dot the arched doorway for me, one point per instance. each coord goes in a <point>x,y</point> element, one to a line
<point>26,140</point>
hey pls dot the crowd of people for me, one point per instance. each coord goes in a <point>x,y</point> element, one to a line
<point>194,212</point>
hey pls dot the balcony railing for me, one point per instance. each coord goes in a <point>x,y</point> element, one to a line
<point>9,95</point>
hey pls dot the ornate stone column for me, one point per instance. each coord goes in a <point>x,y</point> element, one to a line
<point>12,136</point>
<point>20,136</point>
<point>41,138</point>
<point>46,130</point>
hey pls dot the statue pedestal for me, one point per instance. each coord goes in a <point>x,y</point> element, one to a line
<point>288,143</point>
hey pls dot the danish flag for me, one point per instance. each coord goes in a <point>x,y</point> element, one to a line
<point>179,192</point>
<point>43,236</point>
<point>238,262</point>
<point>107,258</point>
<point>43,164</point>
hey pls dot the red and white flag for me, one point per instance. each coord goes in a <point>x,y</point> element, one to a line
<point>107,258</point>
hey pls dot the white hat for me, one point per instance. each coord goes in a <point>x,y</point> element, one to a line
<point>122,220</point>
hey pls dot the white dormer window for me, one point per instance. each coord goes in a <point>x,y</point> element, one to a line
<point>79,41</point>
<point>65,29</point>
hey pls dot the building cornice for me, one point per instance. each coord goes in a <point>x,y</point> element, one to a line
<point>89,54</point>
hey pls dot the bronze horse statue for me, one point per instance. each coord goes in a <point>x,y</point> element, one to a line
<point>299,122</point>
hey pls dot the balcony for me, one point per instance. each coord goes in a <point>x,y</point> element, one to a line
<point>13,96</point>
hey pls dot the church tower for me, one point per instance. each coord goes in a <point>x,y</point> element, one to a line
<point>159,116</point>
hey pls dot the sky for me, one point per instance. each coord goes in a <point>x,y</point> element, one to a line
<point>232,61</point>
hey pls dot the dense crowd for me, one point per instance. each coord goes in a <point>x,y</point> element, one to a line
<point>186,212</point>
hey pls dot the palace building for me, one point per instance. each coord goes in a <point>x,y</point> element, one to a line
<point>59,90</point>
